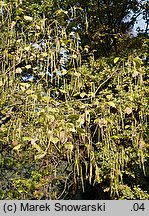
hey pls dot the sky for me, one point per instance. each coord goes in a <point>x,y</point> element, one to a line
<point>140,23</point>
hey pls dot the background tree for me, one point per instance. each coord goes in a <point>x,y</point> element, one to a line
<point>101,24</point>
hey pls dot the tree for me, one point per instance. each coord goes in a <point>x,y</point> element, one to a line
<point>75,129</point>
<point>102,23</point>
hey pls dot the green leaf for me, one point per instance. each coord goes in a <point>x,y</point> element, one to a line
<point>27,48</point>
<point>80,130</point>
<point>44,54</point>
<point>26,138</point>
<point>37,147</point>
<point>73,118</point>
<point>109,97</point>
<point>58,12</point>
<point>18,70</point>
<point>28,18</point>
<point>83,94</point>
<point>63,91</point>
<point>39,97</point>
<point>50,117</point>
<point>28,66</point>
<point>40,156</point>
<point>16,148</point>
<point>53,110</point>
<point>112,104</point>
<point>116,60</point>
<point>70,127</point>
<point>46,99</point>
<point>74,56</point>
<point>69,146</point>
<point>54,140</point>
<point>138,60</point>
<point>127,126</point>
<point>29,91</point>
<point>64,72</point>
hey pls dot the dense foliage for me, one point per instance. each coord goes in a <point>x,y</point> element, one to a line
<point>74,100</point>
